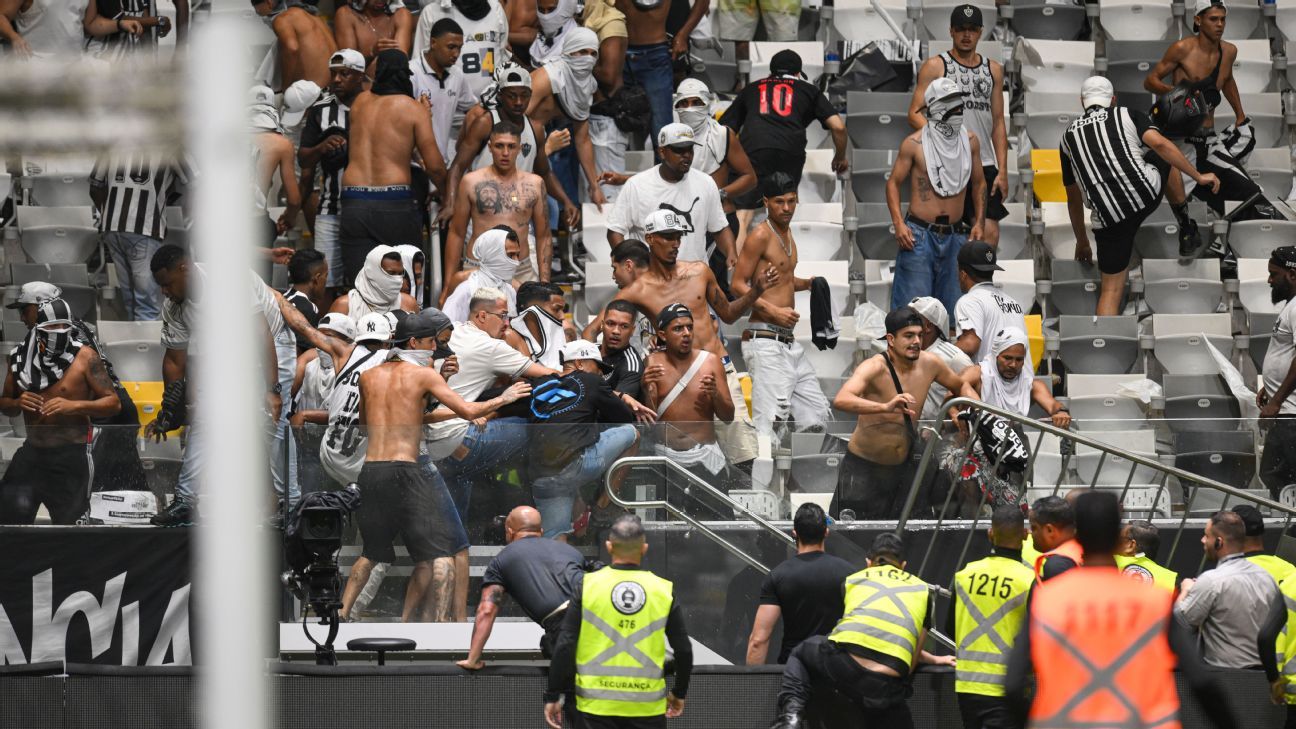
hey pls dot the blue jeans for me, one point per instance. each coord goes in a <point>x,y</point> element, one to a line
<point>930,269</point>
<point>651,67</point>
<point>488,450</point>
<point>283,448</point>
<point>192,465</point>
<point>554,495</point>
<point>444,509</point>
<point>131,256</point>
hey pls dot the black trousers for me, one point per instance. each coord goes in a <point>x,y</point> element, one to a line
<point>820,673</point>
<point>591,721</point>
<point>1278,463</point>
<point>984,712</point>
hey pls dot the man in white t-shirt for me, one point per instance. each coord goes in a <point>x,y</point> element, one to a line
<point>441,83</point>
<point>673,185</point>
<point>1276,400</point>
<point>983,309</point>
<point>485,35</point>
<point>935,339</point>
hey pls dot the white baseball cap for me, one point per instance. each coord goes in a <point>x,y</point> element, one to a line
<point>261,95</point>
<point>1096,91</point>
<point>675,135</point>
<point>348,58</point>
<point>297,99</point>
<point>1202,6</point>
<point>581,349</point>
<point>665,221</point>
<point>35,292</point>
<point>931,309</point>
<point>339,324</point>
<point>374,328</point>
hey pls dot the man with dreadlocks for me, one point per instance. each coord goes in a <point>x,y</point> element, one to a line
<point>57,383</point>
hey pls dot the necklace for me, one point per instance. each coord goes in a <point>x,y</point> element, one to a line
<point>782,241</point>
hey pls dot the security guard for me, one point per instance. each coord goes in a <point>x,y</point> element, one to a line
<point>616,643</point>
<point>989,609</point>
<point>1277,644</point>
<point>1052,523</point>
<point>869,657</point>
<point>1104,647</point>
<point>1253,546</point>
<point>1138,540</point>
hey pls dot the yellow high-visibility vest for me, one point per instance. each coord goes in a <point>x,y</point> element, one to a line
<point>622,646</point>
<point>988,616</point>
<point>885,609</point>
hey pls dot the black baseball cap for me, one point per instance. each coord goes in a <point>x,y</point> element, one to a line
<point>905,316</point>
<point>977,255</point>
<point>1282,256</point>
<point>785,61</point>
<point>966,15</point>
<point>1251,518</point>
<point>672,312</point>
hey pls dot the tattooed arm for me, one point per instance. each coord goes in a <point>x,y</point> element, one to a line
<point>543,236</point>
<point>730,311</point>
<point>487,609</point>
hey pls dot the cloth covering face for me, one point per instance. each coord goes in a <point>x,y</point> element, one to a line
<point>1008,394</point>
<point>379,289</point>
<point>392,74</point>
<point>409,254</point>
<point>572,77</point>
<point>48,350</point>
<point>946,145</point>
<point>494,270</point>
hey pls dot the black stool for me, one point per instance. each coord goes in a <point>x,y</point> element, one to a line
<point>381,646</point>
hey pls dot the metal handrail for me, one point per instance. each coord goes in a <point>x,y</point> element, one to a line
<point>886,18</point>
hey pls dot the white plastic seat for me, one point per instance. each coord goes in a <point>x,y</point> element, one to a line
<point>878,276</point>
<point>1171,287</point>
<point>1158,237</point>
<point>594,233</point>
<point>1128,64</point>
<point>818,181</point>
<point>599,286</point>
<point>1048,115</point>
<point>811,52</point>
<point>1285,18</point>
<point>936,17</point>
<point>1127,20</point>
<point>837,273</point>
<point>1098,345</point>
<point>720,67</point>
<point>1048,21</point>
<point>1096,403</point>
<point>1267,121</point>
<point>807,212</point>
<point>1018,281</point>
<point>136,360</point>
<point>1243,22</point>
<point>1198,402</point>
<point>1046,472</point>
<point>875,237</point>
<point>1049,65</point>
<point>816,241</point>
<point>877,120</point>
<point>1059,240</point>
<point>1075,287</point>
<point>1013,232</point>
<point>1115,470</point>
<point>59,189</point>
<point>57,234</point>
<point>125,331</point>
<point>858,21</point>
<point>61,273</point>
<point>1258,238</point>
<point>1180,342</point>
<point>1253,286</point>
<point>1253,68</point>
<point>870,170</point>
<point>1271,169</point>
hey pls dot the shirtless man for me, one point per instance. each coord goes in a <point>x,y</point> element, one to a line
<point>305,42</point>
<point>387,127</point>
<point>784,382</point>
<point>652,51</point>
<point>692,283</point>
<point>371,26</point>
<point>878,469</point>
<point>400,497</point>
<point>501,194</point>
<point>512,97</point>
<point>58,384</point>
<point>272,153</point>
<point>930,234</point>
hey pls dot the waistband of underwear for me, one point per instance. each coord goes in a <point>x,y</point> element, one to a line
<point>760,326</point>
<point>385,192</point>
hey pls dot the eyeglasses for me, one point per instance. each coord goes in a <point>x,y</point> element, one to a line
<point>505,317</point>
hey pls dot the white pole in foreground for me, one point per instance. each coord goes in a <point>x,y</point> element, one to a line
<point>232,568</point>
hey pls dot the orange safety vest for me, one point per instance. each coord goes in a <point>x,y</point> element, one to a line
<point>1101,649</point>
<point>1070,548</point>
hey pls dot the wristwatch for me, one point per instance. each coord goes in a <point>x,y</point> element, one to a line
<point>276,389</point>
<point>724,194</point>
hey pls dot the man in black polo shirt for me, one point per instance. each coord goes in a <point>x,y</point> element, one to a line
<point>806,590</point>
<point>625,364</point>
<point>540,574</point>
<point>307,276</point>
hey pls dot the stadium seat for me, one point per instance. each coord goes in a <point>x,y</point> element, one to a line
<point>1226,456</point>
<point>1047,65</point>
<point>1115,471</point>
<point>1046,471</point>
<point>837,273</point>
<point>136,361</point>
<point>1098,345</point>
<point>1267,120</point>
<point>936,17</point>
<point>833,362</point>
<point>1059,240</point>
<point>1258,238</point>
<point>1158,237</point>
<point>1048,21</point>
<point>1075,287</point>
<point>1132,20</point>
<point>808,212</point>
<point>125,331</point>
<point>818,181</point>
<point>817,241</point>
<point>877,120</point>
<point>1253,69</point>
<point>875,237</point>
<point>1180,342</point>
<point>1048,115</point>
<point>1171,287</point>
<point>870,170</point>
<point>811,52</point>
<point>1197,402</point>
<point>55,273</point>
<point>1018,281</point>
<point>1253,286</point>
<point>58,189</point>
<point>1271,169</point>
<point>1261,327</point>
<point>1243,23</point>
<point>1046,166</point>
<point>878,276</point>
<point>1096,403</point>
<point>858,21</point>
<point>1285,19</point>
<point>1128,63</point>
<point>1013,233</point>
<point>594,232</point>
<point>57,234</point>
<point>599,286</point>
<point>719,66</point>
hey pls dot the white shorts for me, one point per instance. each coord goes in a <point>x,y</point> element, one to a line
<point>706,455</point>
<point>609,150</point>
<point>326,242</point>
<point>735,20</point>
<point>784,385</point>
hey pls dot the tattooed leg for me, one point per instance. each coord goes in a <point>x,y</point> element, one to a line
<point>416,592</point>
<point>356,581</point>
<point>436,600</point>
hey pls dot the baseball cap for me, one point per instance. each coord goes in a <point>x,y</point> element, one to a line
<point>979,256</point>
<point>35,292</point>
<point>966,15</point>
<point>931,309</point>
<point>665,221</point>
<point>1096,91</point>
<point>261,95</point>
<point>297,99</point>
<point>581,349</point>
<point>897,319</point>
<point>348,58</point>
<point>1202,6</point>
<point>671,313</point>
<point>511,75</point>
<point>427,323</point>
<point>1251,518</point>
<point>786,61</point>
<point>374,328</point>
<point>676,135</point>
<point>339,324</point>
<point>941,88</point>
<point>1282,256</point>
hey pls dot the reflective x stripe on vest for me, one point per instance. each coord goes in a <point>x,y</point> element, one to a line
<point>1286,643</point>
<point>622,644</point>
<point>860,625</point>
<point>1102,678</point>
<point>598,665</point>
<point>972,663</point>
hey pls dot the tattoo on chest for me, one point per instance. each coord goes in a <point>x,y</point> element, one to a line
<point>496,198</point>
<point>924,187</point>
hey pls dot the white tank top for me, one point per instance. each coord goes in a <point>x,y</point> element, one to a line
<point>977,84</point>
<point>343,451</point>
<point>316,385</point>
<point>552,337</point>
<point>53,28</point>
<point>526,154</point>
<point>712,148</point>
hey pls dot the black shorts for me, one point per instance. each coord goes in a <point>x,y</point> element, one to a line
<point>1115,243</point>
<point>58,477</point>
<point>871,490</point>
<point>994,209</point>
<point>367,222</point>
<point>766,162</point>
<point>400,498</point>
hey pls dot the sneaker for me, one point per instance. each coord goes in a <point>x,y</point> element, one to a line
<point>1189,239</point>
<point>178,514</point>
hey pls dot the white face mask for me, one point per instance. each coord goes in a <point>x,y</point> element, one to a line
<point>946,117</point>
<point>582,67</point>
<point>551,23</point>
<point>420,357</point>
<point>325,360</point>
<point>694,116</point>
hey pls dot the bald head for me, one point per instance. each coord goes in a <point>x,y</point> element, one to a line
<point>626,541</point>
<point>523,521</point>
